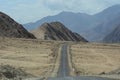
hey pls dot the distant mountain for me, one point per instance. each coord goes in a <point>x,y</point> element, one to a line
<point>10,28</point>
<point>77,22</point>
<point>56,31</point>
<point>106,21</point>
<point>113,37</point>
<point>92,27</point>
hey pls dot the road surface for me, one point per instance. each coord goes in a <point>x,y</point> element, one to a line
<point>64,67</point>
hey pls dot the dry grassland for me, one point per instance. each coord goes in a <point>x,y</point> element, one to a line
<point>33,56</point>
<point>95,59</point>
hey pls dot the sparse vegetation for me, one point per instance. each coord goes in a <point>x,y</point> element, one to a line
<point>9,72</point>
<point>33,56</point>
<point>95,59</point>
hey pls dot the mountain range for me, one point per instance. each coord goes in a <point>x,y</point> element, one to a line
<point>47,31</point>
<point>69,19</point>
<point>92,27</point>
<point>104,26</point>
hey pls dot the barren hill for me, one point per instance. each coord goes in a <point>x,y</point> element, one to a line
<point>56,31</point>
<point>12,29</point>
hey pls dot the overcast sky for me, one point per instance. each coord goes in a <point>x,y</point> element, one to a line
<point>24,11</point>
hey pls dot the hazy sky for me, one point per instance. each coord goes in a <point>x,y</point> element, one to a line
<point>25,11</point>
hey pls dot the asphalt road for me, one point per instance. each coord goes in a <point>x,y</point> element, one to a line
<point>64,67</point>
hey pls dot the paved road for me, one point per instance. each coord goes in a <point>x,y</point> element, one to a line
<point>64,67</point>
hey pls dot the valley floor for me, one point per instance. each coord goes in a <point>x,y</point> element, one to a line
<point>42,58</point>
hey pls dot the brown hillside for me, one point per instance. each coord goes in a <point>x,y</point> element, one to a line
<point>10,28</point>
<point>56,31</point>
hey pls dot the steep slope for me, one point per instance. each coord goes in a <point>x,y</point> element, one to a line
<point>56,31</point>
<point>105,23</point>
<point>113,37</point>
<point>10,28</point>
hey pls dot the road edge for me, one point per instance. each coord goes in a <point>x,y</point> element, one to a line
<point>72,69</point>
